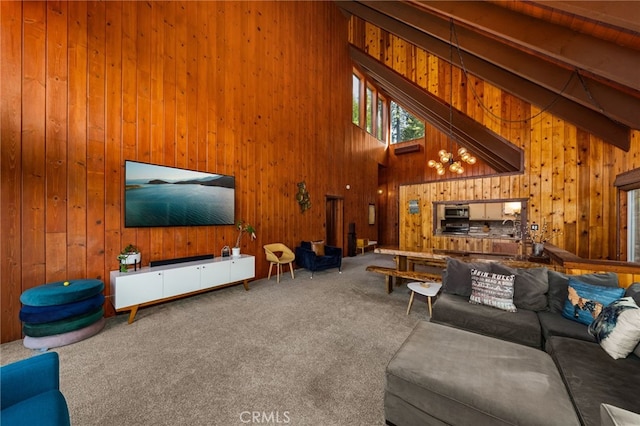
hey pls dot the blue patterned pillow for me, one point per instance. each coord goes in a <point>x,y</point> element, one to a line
<point>617,328</point>
<point>585,301</point>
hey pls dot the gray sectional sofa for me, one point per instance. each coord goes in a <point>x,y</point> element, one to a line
<point>555,358</point>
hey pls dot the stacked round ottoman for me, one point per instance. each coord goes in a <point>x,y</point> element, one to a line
<point>61,313</point>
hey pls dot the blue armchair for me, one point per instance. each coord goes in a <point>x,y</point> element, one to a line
<point>30,392</point>
<point>307,258</point>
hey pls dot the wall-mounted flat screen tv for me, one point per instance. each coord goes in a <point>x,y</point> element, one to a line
<point>157,195</point>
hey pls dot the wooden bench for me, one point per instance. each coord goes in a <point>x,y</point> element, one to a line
<point>389,273</point>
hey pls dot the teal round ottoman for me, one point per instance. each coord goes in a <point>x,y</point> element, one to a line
<point>57,293</point>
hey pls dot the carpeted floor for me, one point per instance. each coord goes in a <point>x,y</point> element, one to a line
<point>302,352</point>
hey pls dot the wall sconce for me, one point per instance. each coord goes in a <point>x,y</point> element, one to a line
<point>348,186</point>
<point>380,191</point>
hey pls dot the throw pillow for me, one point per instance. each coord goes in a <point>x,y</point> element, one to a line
<point>491,289</point>
<point>530,287</point>
<point>585,301</point>
<point>558,286</point>
<point>617,328</point>
<point>456,278</point>
<point>318,247</point>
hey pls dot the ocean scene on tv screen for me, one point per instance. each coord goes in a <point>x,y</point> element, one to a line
<point>167,196</point>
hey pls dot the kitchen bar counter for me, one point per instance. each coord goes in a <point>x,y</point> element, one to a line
<point>438,258</point>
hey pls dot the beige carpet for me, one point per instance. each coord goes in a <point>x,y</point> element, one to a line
<point>302,352</point>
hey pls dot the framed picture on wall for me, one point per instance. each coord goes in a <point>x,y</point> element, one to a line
<point>372,214</point>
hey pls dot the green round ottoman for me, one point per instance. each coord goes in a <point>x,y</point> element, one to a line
<point>57,293</point>
<point>63,339</point>
<point>62,326</point>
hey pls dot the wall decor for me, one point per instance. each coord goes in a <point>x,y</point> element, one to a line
<point>372,214</point>
<point>413,207</point>
<point>303,197</point>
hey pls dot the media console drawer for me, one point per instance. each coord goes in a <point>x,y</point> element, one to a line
<point>151,285</point>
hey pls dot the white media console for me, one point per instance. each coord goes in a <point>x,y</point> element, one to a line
<point>151,285</point>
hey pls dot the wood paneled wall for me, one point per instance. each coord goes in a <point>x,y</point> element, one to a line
<point>259,90</point>
<point>568,173</point>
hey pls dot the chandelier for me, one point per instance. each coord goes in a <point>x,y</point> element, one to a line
<point>446,157</point>
<point>455,165</point>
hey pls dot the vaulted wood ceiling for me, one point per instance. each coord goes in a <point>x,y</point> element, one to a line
<point>578,59</point>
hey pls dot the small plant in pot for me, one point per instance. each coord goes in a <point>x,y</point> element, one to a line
<point>130,255</point>
<point>243,227</point>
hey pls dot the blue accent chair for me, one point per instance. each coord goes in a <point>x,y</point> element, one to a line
<point>30,392</point>
<point>306,258</point>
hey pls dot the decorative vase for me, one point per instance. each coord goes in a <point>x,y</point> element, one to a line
<point>235,251</point>
<point>538,248</point>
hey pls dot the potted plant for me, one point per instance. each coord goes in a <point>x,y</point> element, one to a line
<point>130,255</point>
<point>242,227</point>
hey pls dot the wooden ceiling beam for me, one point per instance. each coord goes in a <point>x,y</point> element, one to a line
<point>618,105</point>
<point>391,16</point>
<point>497,152</point>
<point>600,57</point>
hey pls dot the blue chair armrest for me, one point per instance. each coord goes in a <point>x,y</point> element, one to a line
<point>29,377</point>
<point>305,258</point>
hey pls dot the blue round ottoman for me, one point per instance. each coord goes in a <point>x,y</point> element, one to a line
<point>42,314</point>
<point>57,293</point>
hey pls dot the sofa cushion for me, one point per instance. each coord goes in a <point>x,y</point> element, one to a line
<point>553,324</point>
<point>585,302</point>
<point>495,290</point>
<point>617,328</point>
<point>633,291</point>
<point>558,286</point>
<point>520,327</point>
<point>457,377</point>
<point>456,278</point>
<point>593,377</point>
<point>530,287</point>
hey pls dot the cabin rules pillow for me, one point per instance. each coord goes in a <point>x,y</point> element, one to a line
<point>491,289</point>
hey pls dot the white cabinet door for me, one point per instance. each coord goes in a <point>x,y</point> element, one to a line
<point>242,268</point>
<point>493,211</point>
<point>214,274</point>
<point>476,211</point>
<point>136,289</point>
<point>181,280</point>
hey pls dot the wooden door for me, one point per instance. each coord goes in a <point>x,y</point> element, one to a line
<point>334,222</point>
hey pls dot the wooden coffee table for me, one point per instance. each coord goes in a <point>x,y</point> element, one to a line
<point>429,289</point>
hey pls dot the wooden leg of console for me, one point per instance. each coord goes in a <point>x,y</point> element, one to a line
<point>132,314</point>
<point>246,284</point>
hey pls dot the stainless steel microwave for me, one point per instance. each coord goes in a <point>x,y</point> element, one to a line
<point>457,211</point>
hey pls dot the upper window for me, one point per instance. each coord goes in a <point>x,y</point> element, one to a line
<point>380,119</point>
<point>355,114</point>
<point>404,125</point>
<point>369,110</point>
